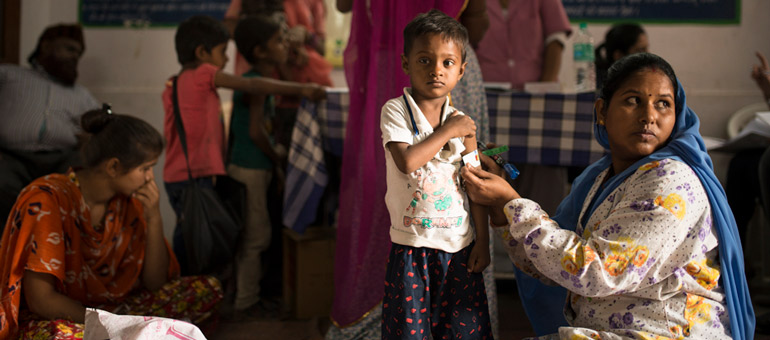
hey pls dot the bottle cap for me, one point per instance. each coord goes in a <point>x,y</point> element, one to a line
<point>511,170</point>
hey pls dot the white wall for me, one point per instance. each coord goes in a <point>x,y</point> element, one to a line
<point>124,67</point>
<point>713,62</point>
<point>128,67</point>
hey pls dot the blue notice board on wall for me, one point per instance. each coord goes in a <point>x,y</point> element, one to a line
<point>654,11</point>
<point>132,13</point>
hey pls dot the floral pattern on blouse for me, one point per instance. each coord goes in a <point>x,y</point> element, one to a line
<point>645,267</point>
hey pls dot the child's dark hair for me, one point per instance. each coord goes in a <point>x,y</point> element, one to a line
<point>435,22</point>
<point>620,38</point>
<point>196,31</point>
<point>628,65</point>
<point>109,135</point>
<point>253,31</point>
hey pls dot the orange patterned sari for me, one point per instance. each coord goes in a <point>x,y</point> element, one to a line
<point>49,231</point>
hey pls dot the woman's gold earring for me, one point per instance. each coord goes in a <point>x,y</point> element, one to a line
<point>601,122</point>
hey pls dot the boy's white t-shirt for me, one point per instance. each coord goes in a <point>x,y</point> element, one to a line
<point>427,207</point>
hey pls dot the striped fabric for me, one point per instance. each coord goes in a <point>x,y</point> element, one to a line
<point>319,127</point>
<point>550,129</point>
<point>547,129</point>
<point>39,114</point>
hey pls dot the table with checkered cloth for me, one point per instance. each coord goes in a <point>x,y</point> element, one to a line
<point>550,129</point>
<point>319,127</point>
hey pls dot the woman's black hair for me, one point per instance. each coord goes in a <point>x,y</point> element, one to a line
<point>630,64</point>
<point>620,37</point>
<point>253,31</point>
<point>109,135</point>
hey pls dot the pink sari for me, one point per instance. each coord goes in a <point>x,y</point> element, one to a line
<point>374,75</point>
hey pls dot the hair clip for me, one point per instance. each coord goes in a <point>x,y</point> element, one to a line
<point>107,108</point>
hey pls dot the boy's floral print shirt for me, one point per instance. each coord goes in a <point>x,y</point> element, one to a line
<point>645,266</point>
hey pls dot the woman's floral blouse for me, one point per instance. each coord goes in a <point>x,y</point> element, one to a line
<point>645,266</point>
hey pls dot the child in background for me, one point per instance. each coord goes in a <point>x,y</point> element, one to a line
<point>200,43</point>
<point>433,286</point>
<point>254,159</point>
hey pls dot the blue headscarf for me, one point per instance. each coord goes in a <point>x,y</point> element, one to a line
<point>685,145</point>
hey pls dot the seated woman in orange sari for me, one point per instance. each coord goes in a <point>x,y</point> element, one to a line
<point>93,237</point>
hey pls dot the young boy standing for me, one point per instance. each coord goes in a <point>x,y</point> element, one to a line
<point>200,43</point>
<point>254,160</point>
<point>433,286</point>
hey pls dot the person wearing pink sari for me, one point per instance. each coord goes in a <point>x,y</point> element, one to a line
<point>373,72</point>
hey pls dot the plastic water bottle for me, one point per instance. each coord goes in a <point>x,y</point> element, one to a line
<point>583,57</point>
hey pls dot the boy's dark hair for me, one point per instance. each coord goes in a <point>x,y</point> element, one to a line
<point>253,31</point>
<point>129,139</point>
<point>435,22</point>
<point>628,65</point>
<point>196,31</point>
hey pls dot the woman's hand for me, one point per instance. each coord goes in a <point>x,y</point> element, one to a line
<point>489,164</point>
<point>761,74</point>
<point>149,195</point>
<point>479,258</point>
<point>487,188</point>
<point>156,260</point>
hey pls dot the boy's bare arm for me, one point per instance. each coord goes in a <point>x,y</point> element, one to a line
<point>479,258</point>
<point>265,85</point>
<point>257,131</point>
<point>409,158</point>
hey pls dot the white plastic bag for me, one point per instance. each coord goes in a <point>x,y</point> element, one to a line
<point>102,325</point>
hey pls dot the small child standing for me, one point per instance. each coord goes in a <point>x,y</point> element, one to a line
<point>200,43</point>
<point>254,159</point>
<point>433,286</point>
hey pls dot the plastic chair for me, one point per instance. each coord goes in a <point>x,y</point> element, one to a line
<point>743,116</point>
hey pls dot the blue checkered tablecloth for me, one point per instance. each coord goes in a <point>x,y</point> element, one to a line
<point>550,129</point>
<point>319,127</point>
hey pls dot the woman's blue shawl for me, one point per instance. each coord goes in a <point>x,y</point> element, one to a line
<point>685,145</point>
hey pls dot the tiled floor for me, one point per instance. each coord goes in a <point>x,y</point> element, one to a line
<point>513,321</point>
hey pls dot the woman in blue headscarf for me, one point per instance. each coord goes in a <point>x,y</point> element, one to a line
<point>645,243</point>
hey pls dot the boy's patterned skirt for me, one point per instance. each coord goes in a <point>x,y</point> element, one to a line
<point>429,293</point>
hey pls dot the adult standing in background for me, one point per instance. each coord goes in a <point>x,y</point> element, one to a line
<point>374,75</point>
<point>41,108</point>
<point>525,42</point>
